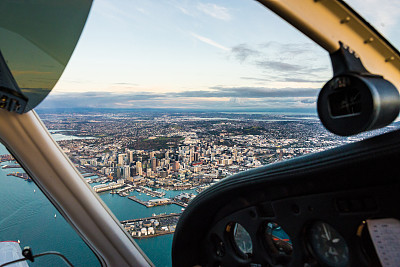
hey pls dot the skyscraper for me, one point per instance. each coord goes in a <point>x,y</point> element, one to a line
<point>127,171</point>
<point>121,159</point>
<point>139,168</point>
<point>153,164</point>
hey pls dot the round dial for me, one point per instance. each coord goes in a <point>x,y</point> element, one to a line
<point>328,246</point>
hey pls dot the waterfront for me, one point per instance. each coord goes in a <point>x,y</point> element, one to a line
<point>59,135</point>
<point>27,215</point>
<point>163,151</point>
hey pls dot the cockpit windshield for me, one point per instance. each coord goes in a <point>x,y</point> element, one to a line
<point>163,99</point>
<point>382,15</point>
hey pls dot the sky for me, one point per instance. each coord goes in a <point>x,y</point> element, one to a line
<point>226,54</point>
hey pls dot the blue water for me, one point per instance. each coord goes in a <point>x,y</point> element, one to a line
<point>28,216</point>
<point>59,136</point>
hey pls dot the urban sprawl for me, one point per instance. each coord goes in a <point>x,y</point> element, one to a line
<point>150,150</point>
<point>173,150</point>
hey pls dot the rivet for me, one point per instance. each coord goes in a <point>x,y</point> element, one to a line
<point>345,20</point>
<point>369,40</point>
<point>389,59</point>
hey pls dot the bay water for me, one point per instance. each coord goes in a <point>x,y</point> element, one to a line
<point>27,215</point>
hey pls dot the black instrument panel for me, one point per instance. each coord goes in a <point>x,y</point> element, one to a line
<point>310,211</point>
<point>318,230</point>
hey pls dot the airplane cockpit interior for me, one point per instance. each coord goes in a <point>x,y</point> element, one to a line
<point>337,208</point>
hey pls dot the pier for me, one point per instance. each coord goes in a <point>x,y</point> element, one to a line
<point>159,216</point>
<point>88,174</point>
<point>11,166</point>
<point>107,187</point>
<point>152,202</point>
<point>150,192</point>
<point>98,180</point>
<point>124,192</point>
<point>4,158</point>
<point>156,225</point>
<point>157,202</point>
<point>21,175</point>
<point>184,205</point>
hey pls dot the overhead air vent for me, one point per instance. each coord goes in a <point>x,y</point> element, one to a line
<point>354,100</point>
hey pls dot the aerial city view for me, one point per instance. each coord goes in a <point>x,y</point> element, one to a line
<point>160,101</point>
<point>147,165</point>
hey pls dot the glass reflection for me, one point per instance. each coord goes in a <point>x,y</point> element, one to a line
<point>37,50</point>
<point>242,239</point>
<point>278,241</point>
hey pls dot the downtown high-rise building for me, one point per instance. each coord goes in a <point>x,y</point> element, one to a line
<point>139,169</point>
<point>122,159</point>
<point>153,164</point>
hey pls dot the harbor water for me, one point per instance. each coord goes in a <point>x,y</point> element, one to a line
<point>27,215</point>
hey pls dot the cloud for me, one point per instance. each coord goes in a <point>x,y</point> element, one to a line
<point>111,11</point>
<point>215,11</point>
<point>299,80</point>
<point>184,10</point>
<point>284,78</point>
<point>262,92</point>
<point>279,65</point>
<point>308,101</point>
<point>213,92</point>
<point>217,97</point>
<point>255,79</point>
<point>290,49</point>
<point>209,41</point>
<point>284,62</point>
<point>243,51</point>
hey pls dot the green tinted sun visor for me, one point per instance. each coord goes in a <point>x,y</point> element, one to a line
<point>37,38</point>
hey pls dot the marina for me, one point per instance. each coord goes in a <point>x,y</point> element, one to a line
<point>35,204</point>
<point>161,228</point>
<point>123,190</point>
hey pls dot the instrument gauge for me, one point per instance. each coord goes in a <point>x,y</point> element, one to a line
<point>327,245</point>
